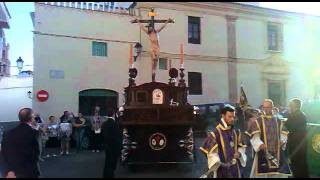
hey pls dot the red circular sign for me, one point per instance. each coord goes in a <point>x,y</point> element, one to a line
<point>42,95</point>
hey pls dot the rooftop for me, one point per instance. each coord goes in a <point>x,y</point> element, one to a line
<point>248,6</point>
<point>94,6</point>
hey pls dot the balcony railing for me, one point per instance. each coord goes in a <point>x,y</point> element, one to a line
<point>99,6</point>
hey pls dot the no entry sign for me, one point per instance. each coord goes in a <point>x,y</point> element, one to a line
<point>42,95</point>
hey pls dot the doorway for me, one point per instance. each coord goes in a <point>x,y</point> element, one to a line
<point>104,98</point>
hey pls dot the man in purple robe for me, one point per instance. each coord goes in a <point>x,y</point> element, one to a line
<point>224,148</point>
<point>268,139</point>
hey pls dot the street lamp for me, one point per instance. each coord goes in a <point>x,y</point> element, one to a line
<point>30,94</point>
<point>20,64</point>
<point>137,50</point>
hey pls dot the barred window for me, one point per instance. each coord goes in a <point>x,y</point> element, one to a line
<point>163,63</point>
<point>194,30</point>
<point>274,37</point>
<point>99,48</point>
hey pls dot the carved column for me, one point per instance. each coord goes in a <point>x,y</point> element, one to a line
<point>232,58</point>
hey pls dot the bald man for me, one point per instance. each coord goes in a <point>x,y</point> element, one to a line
<point>268,139</point>
<point>20,148</point>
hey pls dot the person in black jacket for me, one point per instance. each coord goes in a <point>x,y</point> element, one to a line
<point>112,143</point>
<point>20,148</point>
<point>297,139</point>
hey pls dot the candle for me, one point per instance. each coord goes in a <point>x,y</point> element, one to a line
<point>131,55</point>
<point>181,55</point>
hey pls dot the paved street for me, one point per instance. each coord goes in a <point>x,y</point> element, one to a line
<point>90,165</point>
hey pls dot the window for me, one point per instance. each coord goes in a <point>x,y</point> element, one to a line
<point>3,68</point>
<point>274,33</point>
<point>214,109</point>
<point>202,110</point>
<point>194,30</point>
<point>163,63</point>
<point>195,83</point>
<point>99,48</point>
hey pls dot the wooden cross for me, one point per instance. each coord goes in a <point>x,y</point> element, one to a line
<point>154,40</point>
<point>152,21</point>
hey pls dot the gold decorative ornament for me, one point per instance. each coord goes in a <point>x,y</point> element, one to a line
<point>316,143</point>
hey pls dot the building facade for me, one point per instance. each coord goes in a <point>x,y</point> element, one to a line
<point>4,46</point>
<point>81,52</point>
<point>13,89</point>
<point>14,93</point>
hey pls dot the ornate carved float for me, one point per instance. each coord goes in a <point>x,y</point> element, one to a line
<point>157,119</point>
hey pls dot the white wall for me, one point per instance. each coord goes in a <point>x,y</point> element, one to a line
<point>213,33</point>
<point>251,39</point>
<point>83,71</point>
<point>251,78</point>
<point>74,55</point>
<point>14,96</point>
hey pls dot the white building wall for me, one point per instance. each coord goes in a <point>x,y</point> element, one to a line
<point>14,96</point>
<point>249,74</point>
<point>251,39</point>
<point>83,71</point>
<point>74,57</point>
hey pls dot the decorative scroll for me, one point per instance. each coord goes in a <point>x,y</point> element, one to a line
<point>188,143</point>
<point>127,145</point>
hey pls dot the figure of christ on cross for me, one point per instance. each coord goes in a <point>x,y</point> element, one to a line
<point>153,37</point>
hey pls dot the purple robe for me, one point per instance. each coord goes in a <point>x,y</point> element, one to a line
<point>227,140</point>
<point>270,129</point>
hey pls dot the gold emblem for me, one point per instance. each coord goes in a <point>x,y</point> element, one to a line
<point>316,143</point>
<point>157,96</point>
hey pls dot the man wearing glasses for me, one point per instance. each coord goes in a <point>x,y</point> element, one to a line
<point>268,139</point>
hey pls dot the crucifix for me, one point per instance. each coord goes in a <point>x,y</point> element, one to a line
<point>153,37</point>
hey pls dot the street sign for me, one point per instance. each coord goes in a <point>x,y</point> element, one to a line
<point>42,95</point>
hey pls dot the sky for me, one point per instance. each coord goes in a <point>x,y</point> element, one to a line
<point>312,8</point>
<point>20,36</point>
